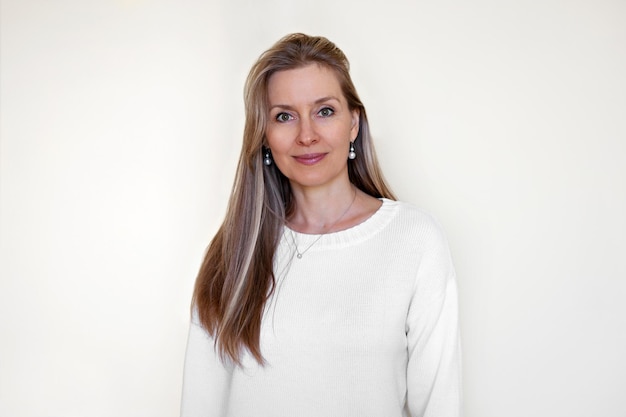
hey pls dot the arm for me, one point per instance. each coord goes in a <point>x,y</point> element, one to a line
<point>434,362</point>
<point>206,380</point>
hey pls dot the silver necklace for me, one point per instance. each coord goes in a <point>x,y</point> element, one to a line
<point>293,237</point>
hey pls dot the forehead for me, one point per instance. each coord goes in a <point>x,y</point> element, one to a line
<point>307,83</point>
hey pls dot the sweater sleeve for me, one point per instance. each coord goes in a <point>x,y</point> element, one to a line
<point>434,354</point>
<point>206,380</point>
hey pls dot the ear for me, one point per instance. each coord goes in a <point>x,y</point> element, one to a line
<point>354,128</point>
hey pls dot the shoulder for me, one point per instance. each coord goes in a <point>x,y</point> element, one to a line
<point>425,237</point>
<point>414,223</point>
<point>411,212</point>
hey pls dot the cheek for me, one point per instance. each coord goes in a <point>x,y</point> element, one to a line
<point>279,144</point>
<point>272,137</point>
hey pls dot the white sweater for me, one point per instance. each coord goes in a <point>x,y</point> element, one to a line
<point>364,324</point>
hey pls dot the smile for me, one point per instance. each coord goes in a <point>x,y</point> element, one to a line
<point>310,159</point>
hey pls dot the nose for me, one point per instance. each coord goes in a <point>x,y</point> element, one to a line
<point>307,134</point>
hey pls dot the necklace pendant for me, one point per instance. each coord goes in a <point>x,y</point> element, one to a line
<point>299,255</point>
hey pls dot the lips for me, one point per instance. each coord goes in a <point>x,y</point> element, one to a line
<point>310,158</point>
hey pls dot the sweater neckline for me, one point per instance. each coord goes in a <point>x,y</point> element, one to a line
<point>350,236</point>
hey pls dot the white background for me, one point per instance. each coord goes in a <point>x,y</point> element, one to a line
<point>121,123</point>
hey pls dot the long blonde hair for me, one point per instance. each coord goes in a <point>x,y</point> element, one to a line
<point>236,277</point>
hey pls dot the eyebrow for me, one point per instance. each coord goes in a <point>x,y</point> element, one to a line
<point>318,101</point>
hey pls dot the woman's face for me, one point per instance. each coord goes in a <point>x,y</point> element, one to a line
<point>310,126</point>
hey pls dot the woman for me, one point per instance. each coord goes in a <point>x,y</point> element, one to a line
<point>320,295</point>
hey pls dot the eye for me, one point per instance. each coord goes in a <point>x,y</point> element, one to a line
<point>283,117</point>
<point>326,112</point>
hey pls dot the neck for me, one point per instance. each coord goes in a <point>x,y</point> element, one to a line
<point>321,211</point>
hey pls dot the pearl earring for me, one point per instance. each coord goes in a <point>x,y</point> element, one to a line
<point>352,154</point>
<point>267,159</point>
